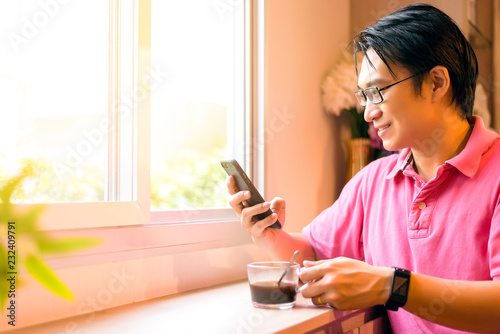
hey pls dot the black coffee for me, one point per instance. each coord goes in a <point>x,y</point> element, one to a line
<point>268,292</point>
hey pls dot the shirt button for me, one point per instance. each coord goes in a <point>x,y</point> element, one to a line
<point>422,205</point>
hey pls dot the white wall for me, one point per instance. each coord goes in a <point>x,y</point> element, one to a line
<point>304,158</point>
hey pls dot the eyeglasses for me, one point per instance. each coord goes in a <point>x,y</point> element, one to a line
<point>374,93</point>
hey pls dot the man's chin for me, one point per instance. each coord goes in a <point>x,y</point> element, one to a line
<point>391,147</point>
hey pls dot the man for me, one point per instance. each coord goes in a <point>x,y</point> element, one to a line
<point>428,218</point>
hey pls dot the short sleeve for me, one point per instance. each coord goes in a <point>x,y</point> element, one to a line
<point>494,244</point>
<point>337,231</point>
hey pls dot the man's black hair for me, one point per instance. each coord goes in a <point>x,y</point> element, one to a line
<point>419,37</point>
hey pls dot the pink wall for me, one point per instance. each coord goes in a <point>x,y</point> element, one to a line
<point>304,158</point>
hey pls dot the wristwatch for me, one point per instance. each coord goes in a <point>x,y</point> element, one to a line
<point>399,289</point>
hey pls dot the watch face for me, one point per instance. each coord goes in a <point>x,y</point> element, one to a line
<point>401,285</point>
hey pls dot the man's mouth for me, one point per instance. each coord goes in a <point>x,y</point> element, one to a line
<point>382,128</point>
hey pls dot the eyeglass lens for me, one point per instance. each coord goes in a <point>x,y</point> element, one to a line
<point>372,93</point>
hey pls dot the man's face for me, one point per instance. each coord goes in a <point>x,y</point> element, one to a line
<point>402,119</point>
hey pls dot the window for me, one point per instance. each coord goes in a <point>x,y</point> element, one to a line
<point>53,95</point>
<point>139,80</point>
<point>197,107</point>
<point>90,88</point>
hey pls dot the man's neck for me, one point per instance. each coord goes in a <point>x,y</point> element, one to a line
<point>449,145</point>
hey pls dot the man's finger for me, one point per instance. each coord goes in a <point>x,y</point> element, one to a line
<point>314,271</point>
<point>308,263</point>
<point>231,185</point>
<point>238,200</point>
<point>312,290</point>
<point>249,212</point>
<point>266,222</point>
<point>319,301</point>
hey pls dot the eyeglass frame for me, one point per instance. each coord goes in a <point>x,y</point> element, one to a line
<point>379,90</point>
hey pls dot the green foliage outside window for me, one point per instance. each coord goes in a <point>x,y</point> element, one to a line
<point>193,180</point>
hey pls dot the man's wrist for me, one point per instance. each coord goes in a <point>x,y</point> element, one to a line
<point>385,286</point>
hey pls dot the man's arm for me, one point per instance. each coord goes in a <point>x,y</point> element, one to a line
<point>464,305</point>
<point>349,284</point>
<point>287,244</point>
<point>278,244</point>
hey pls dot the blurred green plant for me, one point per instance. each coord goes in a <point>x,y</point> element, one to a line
<point>23,244</point>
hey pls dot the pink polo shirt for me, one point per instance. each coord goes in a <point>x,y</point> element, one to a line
<point>448,227</point>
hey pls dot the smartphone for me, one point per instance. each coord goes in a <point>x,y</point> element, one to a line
<point>243,183</point>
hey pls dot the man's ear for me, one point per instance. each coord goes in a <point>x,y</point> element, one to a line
<point>439,81</point>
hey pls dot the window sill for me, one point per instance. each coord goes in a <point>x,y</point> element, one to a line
<point>141,241</point>
<point>136,264</point>
<point>219,309</point>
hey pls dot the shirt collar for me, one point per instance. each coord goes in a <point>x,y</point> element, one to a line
<point>467,161</point>
<point>481,139</point>
<point>405,158</point>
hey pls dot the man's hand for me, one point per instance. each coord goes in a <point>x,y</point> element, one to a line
<point>346,284</point>
<point>263,236</point>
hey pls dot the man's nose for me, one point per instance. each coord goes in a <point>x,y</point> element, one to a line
<point>372,111</point>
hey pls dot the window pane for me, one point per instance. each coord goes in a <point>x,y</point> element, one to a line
<point>193,110</point>
<point>54,96</point>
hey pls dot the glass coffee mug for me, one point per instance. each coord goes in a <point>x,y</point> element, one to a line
<point>264,289</point>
